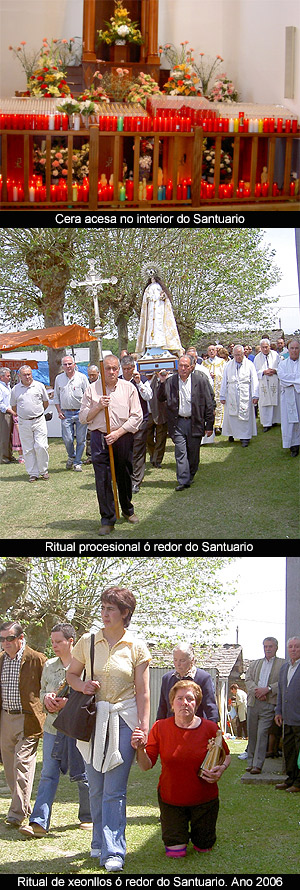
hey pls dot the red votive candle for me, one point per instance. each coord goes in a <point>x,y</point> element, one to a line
<point>294,125</point>
<point>149,192</point>
<point>279,124</point>
<point>257,189</point>
<point>288,126</point>
<point>64,121</point>
<point>292,188</point>
<point>179,191</point>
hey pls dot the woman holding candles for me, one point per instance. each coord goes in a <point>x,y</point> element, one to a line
<point>188,802</point>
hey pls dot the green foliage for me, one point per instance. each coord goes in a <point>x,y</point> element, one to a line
<point>214,276</point>
<point>62,588</point>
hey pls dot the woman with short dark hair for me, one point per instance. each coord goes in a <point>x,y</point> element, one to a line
<point>121,687</point>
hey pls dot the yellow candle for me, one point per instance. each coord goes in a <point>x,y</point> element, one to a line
<point>236,125</point>
<point>260,125</point>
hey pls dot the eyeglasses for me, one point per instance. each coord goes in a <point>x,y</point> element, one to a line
<point>9,639</point>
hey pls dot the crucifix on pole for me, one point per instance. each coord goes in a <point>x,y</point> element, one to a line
<point>94,282</point>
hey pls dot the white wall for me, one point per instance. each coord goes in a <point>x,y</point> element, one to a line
<point>248,34</point>
<point>32,20</point>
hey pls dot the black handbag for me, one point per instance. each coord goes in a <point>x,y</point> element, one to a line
<point>78,717</point>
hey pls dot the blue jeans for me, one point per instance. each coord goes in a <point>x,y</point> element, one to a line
<point>71,427</point>
<point>47,788</point>
<point>108,801</point>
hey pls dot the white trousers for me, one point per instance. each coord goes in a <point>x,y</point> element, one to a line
<point>34,441</point>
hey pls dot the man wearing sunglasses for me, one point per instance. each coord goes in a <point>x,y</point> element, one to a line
<point>21,717</point>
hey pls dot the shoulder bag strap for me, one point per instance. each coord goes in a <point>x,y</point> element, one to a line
<point>92,652</point>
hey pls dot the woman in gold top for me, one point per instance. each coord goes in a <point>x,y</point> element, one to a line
<point>121,686</point>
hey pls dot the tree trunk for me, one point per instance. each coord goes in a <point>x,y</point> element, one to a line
<point>122,325</point>
<point>13,582</point>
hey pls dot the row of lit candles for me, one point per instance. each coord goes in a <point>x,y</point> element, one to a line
<point>80,191</point>
<point>146,123</point>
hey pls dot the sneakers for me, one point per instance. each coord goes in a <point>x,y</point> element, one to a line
<point>86,826</point>
<point>45,476</point>
<point>114,863</point>
<point>95,853</point>
<point>33,478</point>
<point>78,468</point>
<point>69,464</point>
<point>243,756</point>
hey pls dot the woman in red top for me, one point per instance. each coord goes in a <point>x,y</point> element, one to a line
<point>188,804</point>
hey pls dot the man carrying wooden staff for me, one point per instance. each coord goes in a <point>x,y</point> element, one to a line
<point>122,403</point>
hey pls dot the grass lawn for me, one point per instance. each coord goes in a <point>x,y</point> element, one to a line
<point>257,831</point>
<point>238,493</point>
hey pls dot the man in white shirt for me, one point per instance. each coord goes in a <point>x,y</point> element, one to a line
<point>262,686</point>
<point>239,393</point>
<point>68,393</point>
<point>29,401</point>
<point>289,379</point>
<point>6,418</point>
<point>288,714</point>
<point>266,363</point>
<point>190,414</point>
<point>129,373</point>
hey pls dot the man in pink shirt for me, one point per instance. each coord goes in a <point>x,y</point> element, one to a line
<point>125,415</point>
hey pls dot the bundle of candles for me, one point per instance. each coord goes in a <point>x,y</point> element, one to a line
<point>125,190</point>
<point>165,120</point>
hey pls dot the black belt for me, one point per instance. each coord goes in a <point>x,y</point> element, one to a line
<point>12,711</point>
<point>185,416</point>
<point>32,418</point>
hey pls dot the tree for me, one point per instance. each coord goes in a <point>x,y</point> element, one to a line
<point>176,597</point>
<point>214,275</point>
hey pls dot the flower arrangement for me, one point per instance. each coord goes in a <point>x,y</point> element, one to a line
<point>69,106</point>
<point>206,70</point>
<point>114,84</point>
<point>120,27</point>
<point>143,87</point>
<point>182,82</point>
<point>27,58</point>
<point>208,164</point>
<point>223,90</point>
<point>49,79</point>
<point>59,162</point>
<point>94,93</point>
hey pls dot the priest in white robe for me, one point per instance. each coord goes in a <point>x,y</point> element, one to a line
<point>215,366</point>
<point>266,363</point>
<point>289,379</point>
<point>239,394</point>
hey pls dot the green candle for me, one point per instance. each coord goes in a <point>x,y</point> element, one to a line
<point>120,123</point>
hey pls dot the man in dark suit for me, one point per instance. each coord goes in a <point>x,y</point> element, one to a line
<point>185,668</point>
<point>190,414</point>
<point>287,712</point>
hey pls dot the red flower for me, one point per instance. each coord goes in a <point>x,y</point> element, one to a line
<point>45,69</point>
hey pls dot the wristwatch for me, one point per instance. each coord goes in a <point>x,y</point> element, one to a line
<point>269,688</point>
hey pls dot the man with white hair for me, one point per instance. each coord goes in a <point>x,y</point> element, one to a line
<point>239,394</point>
<point>266,363</point>
<point>287,712</point>
<point>289,379</point>
<point>185,668</point>
<point>29,401</point>
<point>6,418</point>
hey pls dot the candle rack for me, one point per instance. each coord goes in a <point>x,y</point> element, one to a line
<point>177,180</point>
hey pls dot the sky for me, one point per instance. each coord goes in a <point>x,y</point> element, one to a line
<point>282,240</point>
<point>260,603</point>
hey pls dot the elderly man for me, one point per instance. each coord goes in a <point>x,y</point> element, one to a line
<point>69,388</point>
<point>29,401</point>
<point>190,413</point>
<point>59,752</point>
<point>262,686</point>
<point>239,394</point>
<point>125,415</point>
<point>22,718</point>
<point>288,373</point>
<point>266,363</point>
<point>185,668</point>
<point>6,419</point>
<point>215,366</point>
<point>140,439</point>
<point>287,712</point>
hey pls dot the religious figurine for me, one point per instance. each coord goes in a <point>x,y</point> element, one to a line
<point>157,328</point>
<point>264,175</point>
